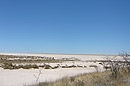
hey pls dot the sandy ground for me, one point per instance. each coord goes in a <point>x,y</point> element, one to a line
<point>23,77</point>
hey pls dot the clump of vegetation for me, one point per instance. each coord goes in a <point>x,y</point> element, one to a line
<point>27,59</point>
<point>79,66</point>
<point>30,66</point>
<point>7,66</point>
<point>71,66</point>
<point>64,66</point>
<point>47,66</point>
<point>92,65</point>
<point>14,66</point>
<point>42,66</point>
<point>54,67</point>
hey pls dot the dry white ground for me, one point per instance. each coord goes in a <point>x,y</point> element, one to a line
<point>21,77</point>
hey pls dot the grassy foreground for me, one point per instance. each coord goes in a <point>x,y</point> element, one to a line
<point>92,79</point>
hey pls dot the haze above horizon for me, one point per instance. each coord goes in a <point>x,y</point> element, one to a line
<point>65,26</point>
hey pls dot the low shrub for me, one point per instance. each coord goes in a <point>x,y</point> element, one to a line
<point>54,67</point>
<point>47,66</point>
<point>92,65</point>
<point>79,66</point>
<point>7,66</point>
<point>27,66</point>
<point>41,66</point>
<point>13,66</point>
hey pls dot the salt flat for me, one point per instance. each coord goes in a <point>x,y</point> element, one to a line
<point>23,77</point>
<point>82,57</point>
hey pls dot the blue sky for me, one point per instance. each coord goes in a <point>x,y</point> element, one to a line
<point>65,26</point>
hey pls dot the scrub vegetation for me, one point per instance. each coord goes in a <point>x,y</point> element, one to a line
<point>27,59</point>
<point>92,79</point>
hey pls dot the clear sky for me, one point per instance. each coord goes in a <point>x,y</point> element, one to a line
<point>65,26</point>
